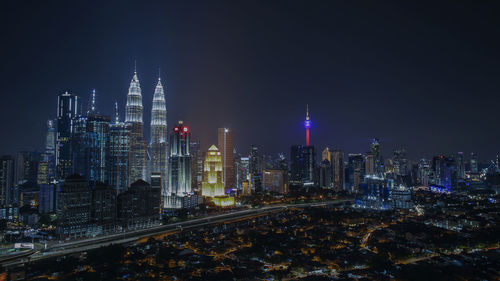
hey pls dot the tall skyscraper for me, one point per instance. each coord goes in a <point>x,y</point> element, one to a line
<point>326,155</point>
<point>370,164</point>
<point>355,171</point>
<point>338,170</point>
<point>196,165</point>
<point>7,196</point>
<point>119,147</point>
<point>460,165</point>
<point>400,162</point>
<point>377,159</point>
<point>255,169</point>
<point>213,184</point>
<point>158,144</point>
<point>97,140</point>
<point>226,147</point>
<point>302,164</point>
<point>473,163</point>
<point>133,118</point>
<point>47,164</point>
<point>179,167</point>
<point>67,109</point>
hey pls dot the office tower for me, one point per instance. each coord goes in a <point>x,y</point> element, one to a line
<point>307,125</point>
<point>139,206</point>
<point>377,159</point>
<point>400,162</point>
<point>119,147</point>
<point>374,193</point>
<point>26,169</point>
<point>74,202</point>
<point>97,140</point>
<point>460,165</point>
<point>179,167</point>
<point>444,171</point>
<point>370,163</point>
<point>226,147</point>
<point>7,194</point>
<point>338,169</point>
<point>275,181</point>
<point>355,171</point>
<point>255,169</point>
<point>326,155</point>
<point>79,146</point>
<point>67,109</point>
<point>302,164</point>
<point>47,198</point>
<point>196,165</point>
<point>242,171</point>
<point>103,209</point>
<point>158,144</point>
<point>473,163</point>
<point>326,174</point>
<point>424,172</point>
<point>133,118</point>
<point>47,164</point>
<point>281,162</point>
<point>213,182</point>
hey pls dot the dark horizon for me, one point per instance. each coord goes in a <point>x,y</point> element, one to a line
<point>419,77</point>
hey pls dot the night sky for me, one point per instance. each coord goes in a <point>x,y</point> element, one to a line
<point>423,76</point>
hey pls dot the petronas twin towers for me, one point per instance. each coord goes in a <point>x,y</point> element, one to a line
<point>142,166</point>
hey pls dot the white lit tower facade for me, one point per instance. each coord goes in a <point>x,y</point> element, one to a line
<point>179,167</point>
<point>133,119</point>
<point>158,143</point>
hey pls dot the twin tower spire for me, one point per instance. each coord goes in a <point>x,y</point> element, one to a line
<point>134,109</point>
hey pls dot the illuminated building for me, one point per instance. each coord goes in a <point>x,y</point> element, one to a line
<point>97,139</point>
<point>68,108</point>
<point>355,171</point>
<point>338,170</point>
<point>326,155</point>
<point>133,119</point>
<point>7,195</point>
<point>26,167</point>
<point>326,174</point>
<point>424,172</point>
<point>179,168</point>
<point>302,164</point>
<point>255,169</point>
<point>74,203</point>
<point>473,163</point>
<point>196,165</point>
<point>213,184</point>
<point>226,147</point>
<point>460,165</point>
<point>275,181</point>
<point>119,147</point>
<point>158,144</point>
<point>400,162</point>
<point>369,164</point>
<point>47,164</point>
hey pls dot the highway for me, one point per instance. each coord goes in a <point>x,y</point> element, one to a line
<point>72,247</point>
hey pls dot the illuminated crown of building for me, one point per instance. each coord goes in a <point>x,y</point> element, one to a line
<point>134,101</point>
<point>159,115</point>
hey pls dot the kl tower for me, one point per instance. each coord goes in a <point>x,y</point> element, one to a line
<point>307,124</point>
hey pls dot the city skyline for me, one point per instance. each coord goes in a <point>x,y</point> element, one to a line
<point>436,106</point>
